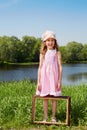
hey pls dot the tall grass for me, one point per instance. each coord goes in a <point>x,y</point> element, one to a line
<point>16,105</point>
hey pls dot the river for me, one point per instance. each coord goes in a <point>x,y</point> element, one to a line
<point>72,73</point>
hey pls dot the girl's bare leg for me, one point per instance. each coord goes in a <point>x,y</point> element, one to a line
<point>45,104</point>
<point>54,108</point>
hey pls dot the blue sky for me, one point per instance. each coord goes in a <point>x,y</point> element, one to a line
<point>67,18</point>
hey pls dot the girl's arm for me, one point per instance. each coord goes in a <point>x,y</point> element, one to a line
<point>60,70</point>
<point>39,71</point>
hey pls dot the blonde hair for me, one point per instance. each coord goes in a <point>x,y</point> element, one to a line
<point>44,47</point>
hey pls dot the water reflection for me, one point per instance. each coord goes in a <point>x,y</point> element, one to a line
<point>78,76</point>
<point>74,74</point>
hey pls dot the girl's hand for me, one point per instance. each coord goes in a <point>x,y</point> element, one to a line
<point>59,86</point>
<point>39,87</point>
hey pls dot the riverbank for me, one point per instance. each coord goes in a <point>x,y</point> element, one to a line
<point>37,63</point>
<point>18,64</point>
<point>16,105</point>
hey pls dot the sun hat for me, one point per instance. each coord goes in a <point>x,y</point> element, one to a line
<point>48,34</point>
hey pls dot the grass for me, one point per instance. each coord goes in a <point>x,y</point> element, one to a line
<point>28,63</point>
<point>16,105</point>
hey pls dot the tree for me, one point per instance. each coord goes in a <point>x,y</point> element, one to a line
<point>63,53</point>
<point>28,45</point>
<point>84,52</point>
<point>73,52</point>
<point>9,47</point>
<point>4,51</point>
<point>36,50</point>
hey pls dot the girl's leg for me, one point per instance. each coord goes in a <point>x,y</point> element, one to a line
<point>54,108</point>
<point>45,104</point>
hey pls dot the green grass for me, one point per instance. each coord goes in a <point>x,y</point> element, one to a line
<point>28,63</point>
<point>16,105</point>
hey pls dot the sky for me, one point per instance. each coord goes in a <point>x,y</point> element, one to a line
<point>66,18</point>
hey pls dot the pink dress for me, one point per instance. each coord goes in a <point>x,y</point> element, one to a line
<point>49,75</point>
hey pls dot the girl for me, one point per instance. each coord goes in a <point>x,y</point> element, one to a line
<point>49,72</point>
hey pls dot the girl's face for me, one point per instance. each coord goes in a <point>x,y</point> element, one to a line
<point>50,42</point>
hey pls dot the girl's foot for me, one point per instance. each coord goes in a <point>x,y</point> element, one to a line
<point>44,120</point>
<point>53,119</point>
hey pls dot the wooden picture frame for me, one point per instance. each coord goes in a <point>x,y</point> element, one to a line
<point>68,101</point>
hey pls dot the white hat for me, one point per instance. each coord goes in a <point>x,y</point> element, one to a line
<point>48,34</point>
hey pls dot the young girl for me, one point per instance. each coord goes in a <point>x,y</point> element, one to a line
<point>49,72</point>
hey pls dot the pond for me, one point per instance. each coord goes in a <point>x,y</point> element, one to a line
<point>72,73</point>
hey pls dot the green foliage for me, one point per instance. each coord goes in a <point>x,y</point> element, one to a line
<point>16,105</point>
<point>63,53</point>
<point>14,50</point>
<point>36,50</point>
<point>16,102</point>
<point>73,52</point>
<point>84,52</point>
<point>27,50</point>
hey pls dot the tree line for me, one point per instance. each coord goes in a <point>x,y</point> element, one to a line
<point>14,50</point>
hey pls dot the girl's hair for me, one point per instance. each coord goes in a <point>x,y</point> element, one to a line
<point>44,47</point>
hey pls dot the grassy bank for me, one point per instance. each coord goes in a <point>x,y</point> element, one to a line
<point>18,64</point>
<point>16,104</point>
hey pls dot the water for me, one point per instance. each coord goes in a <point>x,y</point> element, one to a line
<point>72,73</point>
